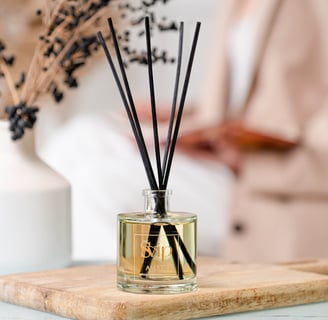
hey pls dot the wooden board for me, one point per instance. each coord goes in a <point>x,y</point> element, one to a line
<point>89,293</point>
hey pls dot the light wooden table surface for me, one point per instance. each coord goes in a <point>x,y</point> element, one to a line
<point>317,311</point>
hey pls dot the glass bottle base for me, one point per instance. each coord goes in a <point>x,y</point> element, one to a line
<point>157,248</point>
<point>157,287</point>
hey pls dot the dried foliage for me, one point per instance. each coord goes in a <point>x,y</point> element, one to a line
<point>66,43</point>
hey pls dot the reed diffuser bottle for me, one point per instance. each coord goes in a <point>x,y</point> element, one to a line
<point>157,248</point>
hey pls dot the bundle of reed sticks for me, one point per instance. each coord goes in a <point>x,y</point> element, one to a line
<point>163,166</point>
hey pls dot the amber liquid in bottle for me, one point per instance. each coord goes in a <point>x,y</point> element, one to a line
<point>157,248</point>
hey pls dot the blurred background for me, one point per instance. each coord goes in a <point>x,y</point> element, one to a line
<point>258,84</point>
<point>87,139</point>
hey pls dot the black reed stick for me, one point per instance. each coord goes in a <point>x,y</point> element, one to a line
<point>152,100</point>
<point>181,105</point>
<point>132,105</point>
<point>154,230</point>
<point>173,231</point>
<point>134,125</point>
<point>152,181</point>
<point>175,256</point>
<point>174,102</point>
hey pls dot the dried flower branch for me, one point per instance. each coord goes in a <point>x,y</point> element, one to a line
<point>67,41</point>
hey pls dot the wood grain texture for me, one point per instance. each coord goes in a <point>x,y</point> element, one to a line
<point>89,293</point>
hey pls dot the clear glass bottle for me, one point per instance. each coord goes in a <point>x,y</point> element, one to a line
<point>157,248</point>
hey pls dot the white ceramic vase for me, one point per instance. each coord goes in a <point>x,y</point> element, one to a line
<point>35,209</point>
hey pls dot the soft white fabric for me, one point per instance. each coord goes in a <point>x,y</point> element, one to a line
<point>107,177</point>
<point>241,48</point>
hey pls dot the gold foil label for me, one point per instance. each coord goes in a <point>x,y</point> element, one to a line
<point>159,255</point>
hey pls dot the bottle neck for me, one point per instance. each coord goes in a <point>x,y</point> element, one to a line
<point>20,148</point>
<point>156,202</point>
